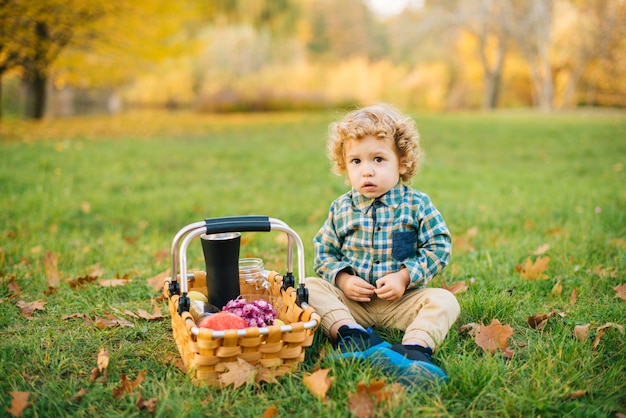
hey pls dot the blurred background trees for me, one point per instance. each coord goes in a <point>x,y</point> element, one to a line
<point>60,57</point>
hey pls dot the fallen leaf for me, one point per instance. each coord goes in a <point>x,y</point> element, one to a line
<point>149,405</point>
<point>73,316</point>
<point>150,316</point>
<point>573,296</point>
<point>239,372</point>
<point>458,287</point>
<point>318,383</point>
<point>81,281</point>
<point>270,412</point>
<point>557,289</point>
<point>28,308</point>
<point>577,394</point>
<point>533,270</point>
<point>470,329</point>
<point>621,291</point>
<point>19,402</point>
<point>604,271</point>
<point>361,405</point>
<point>78,397</point>
<point>375,389</point>
<point>156,282</point>
<point>602,329</point>
<point>509,353</point>
<point>538,321</point>
<point>581,332</point>
<point>14,288</point>
<point>103,360</point>
<point>493,336</point>
<point>113,282</point>
<point>542,249</point>
<point>128,386</point>
<point>50,265</point>
<point>463,242</point>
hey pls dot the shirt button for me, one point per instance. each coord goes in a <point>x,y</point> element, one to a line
<point>378,228</point>
<point>377,262</point>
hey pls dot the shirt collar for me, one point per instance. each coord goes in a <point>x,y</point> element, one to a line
<point>392,198</point>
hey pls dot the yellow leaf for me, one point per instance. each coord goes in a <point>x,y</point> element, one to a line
<point>542,249</point>
<point>238,374</point>
<point>493,336</point>
<point>534,271</point>
<point>458,287</point>
<point>19,402</point>
<point>318,383</point>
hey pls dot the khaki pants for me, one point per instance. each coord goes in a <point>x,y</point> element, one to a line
<point>426,314</point>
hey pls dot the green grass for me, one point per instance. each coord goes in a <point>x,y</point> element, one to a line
<point>114,191</point>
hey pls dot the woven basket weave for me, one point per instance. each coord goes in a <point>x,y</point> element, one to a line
<point>275,350</point>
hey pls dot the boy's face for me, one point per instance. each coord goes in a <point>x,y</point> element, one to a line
<point>373,165</point>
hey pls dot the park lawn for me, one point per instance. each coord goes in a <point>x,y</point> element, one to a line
<point>104,196</point>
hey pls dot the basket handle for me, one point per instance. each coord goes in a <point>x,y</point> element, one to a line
<point>237,224</point>
<point>233,224</point>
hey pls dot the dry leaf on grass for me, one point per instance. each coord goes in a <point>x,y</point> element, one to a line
<point>541,250</point>
<point>28,308</point>
<point>458,287</point>
<point>150,316</point>
<point>103,366</point>
<point>363,403</point>
<point>19,402</point>
<point>621,291</point>
<point>581,332</point>
<point>577,394</point>
<point>318,383</point>
<point>78,396</point>
<point>493,336</point>
<point>149,405</point>
<point>533,270</point>
<point>239,373</point>
<point>156,282</point>
<point>14,288</point>
<point>50,265</point>
<point>128,386</point>
<point>602,329</point>
<point>270,412</point>
<point>113,282</point>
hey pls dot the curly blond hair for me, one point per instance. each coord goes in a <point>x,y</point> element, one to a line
<point>383,122</point>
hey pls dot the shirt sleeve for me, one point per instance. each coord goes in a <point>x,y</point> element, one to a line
<point>329,260</point>
<point>434,247</point>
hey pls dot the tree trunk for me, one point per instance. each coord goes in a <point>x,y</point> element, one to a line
<point>1,97</point>
<point>36,95</point>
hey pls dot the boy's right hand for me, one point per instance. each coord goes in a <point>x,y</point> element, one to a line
<point>354,287</point>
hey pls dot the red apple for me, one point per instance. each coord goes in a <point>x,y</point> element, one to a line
<point>221,321</point>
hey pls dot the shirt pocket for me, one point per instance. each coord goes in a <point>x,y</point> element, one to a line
<point>403,244</point>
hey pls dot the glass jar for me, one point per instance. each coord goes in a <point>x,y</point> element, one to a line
<point>252,276</point>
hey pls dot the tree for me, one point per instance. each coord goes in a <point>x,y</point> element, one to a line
<point>39,31</point>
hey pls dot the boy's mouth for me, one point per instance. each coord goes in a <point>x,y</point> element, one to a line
<point>368,185</point>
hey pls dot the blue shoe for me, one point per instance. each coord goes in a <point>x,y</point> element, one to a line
<point>413,366</point>
<point>358,344</point>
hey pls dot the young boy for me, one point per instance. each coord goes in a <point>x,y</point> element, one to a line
<point>380,245</point>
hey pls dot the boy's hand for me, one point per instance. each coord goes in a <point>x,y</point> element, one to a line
<point>354,287</point>
<point>392,286</point>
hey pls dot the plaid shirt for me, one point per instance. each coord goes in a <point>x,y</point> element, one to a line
<point>374,237</point>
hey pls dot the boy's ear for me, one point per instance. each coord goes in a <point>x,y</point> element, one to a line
<point>403,169</point>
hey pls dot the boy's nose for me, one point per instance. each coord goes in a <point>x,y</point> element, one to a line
<point>368,170</point>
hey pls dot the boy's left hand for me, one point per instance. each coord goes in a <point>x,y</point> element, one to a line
<point>392,286</point>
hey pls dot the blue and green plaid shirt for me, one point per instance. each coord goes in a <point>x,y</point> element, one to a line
<point>374,237</point>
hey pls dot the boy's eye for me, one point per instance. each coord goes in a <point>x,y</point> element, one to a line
<point>378,159</point>
<point>355,161</point>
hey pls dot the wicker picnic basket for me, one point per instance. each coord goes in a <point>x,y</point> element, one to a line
<point>274,350</point>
